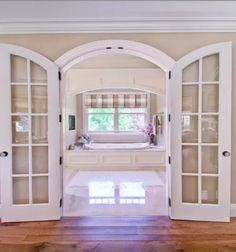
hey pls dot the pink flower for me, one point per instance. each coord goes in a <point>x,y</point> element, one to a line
<point>148,130</point>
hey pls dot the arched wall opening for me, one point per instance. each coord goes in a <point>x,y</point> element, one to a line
<point>160,65</point>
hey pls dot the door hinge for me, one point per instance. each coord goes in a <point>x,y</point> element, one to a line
<point>169,160</point>
<point>60,119</point>
<point>169,75</point>
<point>60,160</point>
<point>169,117</point>
<point>61,202</point>
<point>169,202</point>
<point>59,75</point>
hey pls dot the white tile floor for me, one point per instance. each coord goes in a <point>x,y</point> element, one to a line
<point>114,193</point>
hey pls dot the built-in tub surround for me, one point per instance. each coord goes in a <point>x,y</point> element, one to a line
<point>118,146</point>
<point>131,159</point>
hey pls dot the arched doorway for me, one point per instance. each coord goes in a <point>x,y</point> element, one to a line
<point>115,47</point>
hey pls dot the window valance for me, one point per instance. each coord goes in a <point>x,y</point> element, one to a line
<point>116,101</point>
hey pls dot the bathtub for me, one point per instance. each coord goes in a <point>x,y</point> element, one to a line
<point>116,157</point>
<point>117,146</point>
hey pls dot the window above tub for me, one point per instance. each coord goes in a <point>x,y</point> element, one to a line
<point>115,112</point>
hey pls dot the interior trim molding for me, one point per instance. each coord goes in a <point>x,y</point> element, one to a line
<point>233,210</point>
<point>116,16</point>
<point>118,25</point>
<point>114,46</point>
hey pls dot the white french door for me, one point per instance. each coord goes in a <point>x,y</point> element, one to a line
<point>29,136</point>
<point>201,134</point>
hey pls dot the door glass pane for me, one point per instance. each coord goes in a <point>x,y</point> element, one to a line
<point>38,74</point>
<point>210,129</point>
<point>19,99</point>
<point>18,69</point>
<point>39,99</point>
<point>190,98</point>
<point>210,68</point>
<point>39,129</point>
<point>210,98</point>
<point>210,190</point>
<point>21,190</point>
<point>190,189</point>
<point>20,160</point>
<point>40,189</point>
<point>20,129</point>
<point>190,159</point>
<point>191,72</point>
<point>189,128</point>
<point>39,159</point>
<point>210,159</point>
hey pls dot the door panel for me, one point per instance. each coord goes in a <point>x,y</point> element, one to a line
<point>30,174</point>
<point>200,133</point>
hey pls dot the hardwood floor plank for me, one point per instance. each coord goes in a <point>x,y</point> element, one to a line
<point>118,237</point>
<point>111,234</point>
<point>124,247</point>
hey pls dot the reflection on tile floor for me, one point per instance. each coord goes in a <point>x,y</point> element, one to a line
<point>114,193</point>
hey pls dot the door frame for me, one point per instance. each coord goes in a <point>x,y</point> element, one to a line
<point>104,47</point>
<point>146,52</point>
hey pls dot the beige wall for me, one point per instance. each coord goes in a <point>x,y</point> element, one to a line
<point>112,61</point>
<point>175,45</point>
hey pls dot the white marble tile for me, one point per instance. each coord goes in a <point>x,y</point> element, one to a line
<point>115,193</point>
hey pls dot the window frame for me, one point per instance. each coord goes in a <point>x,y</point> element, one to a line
<point>116,115</point>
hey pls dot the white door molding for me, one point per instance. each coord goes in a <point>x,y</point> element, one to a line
<point>101,47</point>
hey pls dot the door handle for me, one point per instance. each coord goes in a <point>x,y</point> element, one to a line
<point>226,153</point>
<point>3,154</point>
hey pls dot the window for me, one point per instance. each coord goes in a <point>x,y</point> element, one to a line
<point>115,112</point>
<point>116,119</point>
<point>100,119</point>
<point>131,119</point>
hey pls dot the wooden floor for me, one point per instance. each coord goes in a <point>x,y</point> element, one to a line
<point>114,234</point>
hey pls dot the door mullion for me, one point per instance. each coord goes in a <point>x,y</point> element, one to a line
<point>29,129</point>
<point>200,133</point>
<point>116,120</point>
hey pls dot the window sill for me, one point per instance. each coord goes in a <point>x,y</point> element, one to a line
<point>116,133</point>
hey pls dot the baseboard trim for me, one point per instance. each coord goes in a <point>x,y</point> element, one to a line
<point>233,210</point>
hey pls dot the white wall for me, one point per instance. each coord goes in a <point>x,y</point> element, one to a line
<point>70,109</point>
<point>82,80</point>
<point>161,107</point>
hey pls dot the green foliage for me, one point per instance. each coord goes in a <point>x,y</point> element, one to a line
<point>102,119</point>
<point>100,122</point>
<point>131,122</point>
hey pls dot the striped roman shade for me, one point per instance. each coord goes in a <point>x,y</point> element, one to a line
<point>116,101</point>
